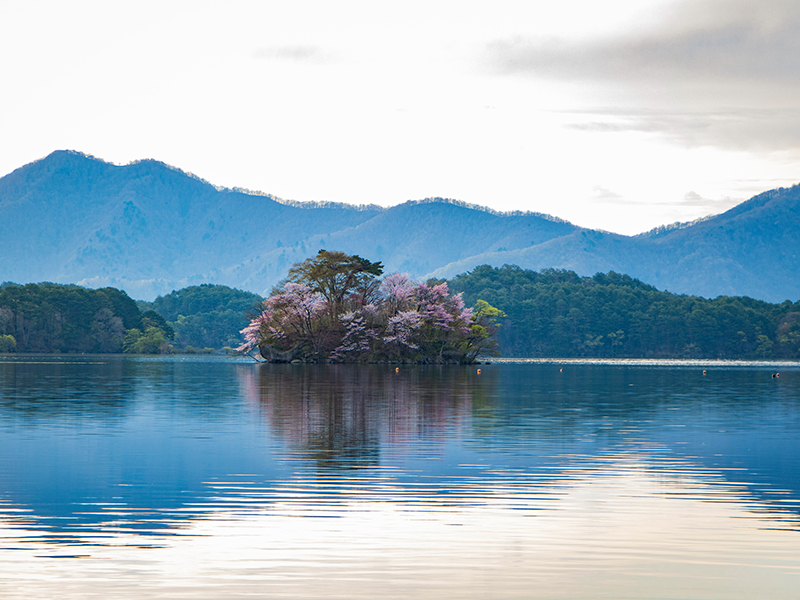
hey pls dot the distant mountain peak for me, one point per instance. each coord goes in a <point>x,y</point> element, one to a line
<point>664,229</point>
<point>168,167</point>
<point>60,155</point>
<point>762,199</point>
<point>486,209</point>
<point>149,227</point>
<point>67,152</point>
<point>318,203</point>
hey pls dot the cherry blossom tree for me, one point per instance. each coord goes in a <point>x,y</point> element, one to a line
<point>343,280</point>
<point>393,320</point>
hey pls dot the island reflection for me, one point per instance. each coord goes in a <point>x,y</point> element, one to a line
<point>150,446</point>
<point>541,421</point>
<point>341,416</point>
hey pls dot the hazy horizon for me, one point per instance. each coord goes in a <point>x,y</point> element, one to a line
<point>622,116</point>
<point>377,204</point>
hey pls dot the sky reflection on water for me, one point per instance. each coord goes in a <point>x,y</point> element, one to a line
<point>211,478</point>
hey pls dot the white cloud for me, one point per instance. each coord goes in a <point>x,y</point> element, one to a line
<point>743,41</point>
<point>712,72</point>
<point>300,53</point>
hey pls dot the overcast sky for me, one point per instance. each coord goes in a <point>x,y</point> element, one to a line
<point>619,115</point>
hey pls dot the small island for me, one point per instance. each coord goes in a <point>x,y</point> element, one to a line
<point>335,307</point>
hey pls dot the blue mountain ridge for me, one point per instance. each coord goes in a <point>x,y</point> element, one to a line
<point>149,228</point>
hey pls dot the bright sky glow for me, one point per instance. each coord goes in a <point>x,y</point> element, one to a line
<point>621,115</point>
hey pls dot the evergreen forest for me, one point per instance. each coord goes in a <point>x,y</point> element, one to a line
<point>550,313</point>
<point>556,313</point>
<point>205,317</point>
<point>49,317</point>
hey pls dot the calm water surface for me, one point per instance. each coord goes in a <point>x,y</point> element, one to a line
<point>216,478</point>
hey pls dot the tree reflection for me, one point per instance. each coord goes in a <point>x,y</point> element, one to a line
<point>48,388</point>
<point>344,416</point>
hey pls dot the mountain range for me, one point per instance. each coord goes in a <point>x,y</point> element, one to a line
<point>149,228</point>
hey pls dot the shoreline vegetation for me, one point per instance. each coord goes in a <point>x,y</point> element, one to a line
<point>49,318</point>
<point>556,313</point>
<point>335,308</point>
<point>550,314</point>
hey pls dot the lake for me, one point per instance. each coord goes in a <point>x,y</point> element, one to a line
<point>210,477</point>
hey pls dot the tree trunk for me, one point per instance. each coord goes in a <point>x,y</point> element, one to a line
<point>272,355</point>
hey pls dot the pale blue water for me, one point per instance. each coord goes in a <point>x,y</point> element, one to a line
<point>216,478</point>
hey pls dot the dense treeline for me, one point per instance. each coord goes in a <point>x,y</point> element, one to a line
<point>206,316</point>
<point>550,313</point>
<point>556,313</point>
<point>48,317</point>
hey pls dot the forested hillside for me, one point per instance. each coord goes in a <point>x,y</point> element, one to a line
<point>206,316</point>
<point>550,313</point>
<point>751,250</point>
<point>556,313</point>
<point>48,317</point>
<point>149,228</point>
